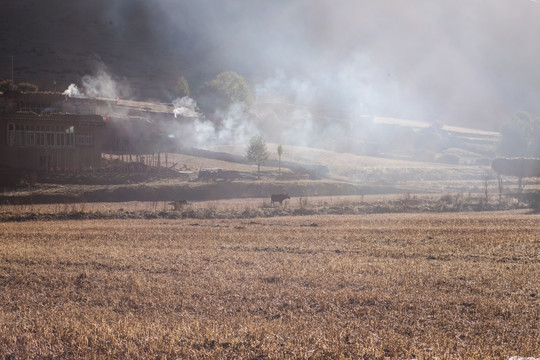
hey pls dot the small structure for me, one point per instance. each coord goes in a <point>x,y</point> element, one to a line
<point>38,133</point>
<point>55,142</point>
<point>42,131</point>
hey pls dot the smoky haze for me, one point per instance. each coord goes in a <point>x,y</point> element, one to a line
<point>466,62</point>
<point>471,62</point>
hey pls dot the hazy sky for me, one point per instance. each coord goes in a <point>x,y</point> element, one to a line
<point>456,61</point>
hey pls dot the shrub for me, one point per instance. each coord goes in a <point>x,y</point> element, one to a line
<point>447,199</point>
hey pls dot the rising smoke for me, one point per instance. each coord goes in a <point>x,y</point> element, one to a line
<point>460,62</point>
<point>472,63</point>
<point>73,91</point>
<point>100,84</point>
<point>185,106</point>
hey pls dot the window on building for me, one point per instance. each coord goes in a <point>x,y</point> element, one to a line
<point>40,135</point>
<point>19,135</point>
<point>70,136</point>
<point>11,135</point>
<point>60,139</point>
<point>45,135</point>
<point>30,135</point>
<point>49,135</point>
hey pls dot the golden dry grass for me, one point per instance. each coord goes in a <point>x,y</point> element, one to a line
<point>446,286</point>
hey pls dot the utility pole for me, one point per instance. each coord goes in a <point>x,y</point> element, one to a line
<point>12,82</point>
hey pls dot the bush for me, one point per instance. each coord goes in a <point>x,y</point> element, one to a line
<point>447,199</point>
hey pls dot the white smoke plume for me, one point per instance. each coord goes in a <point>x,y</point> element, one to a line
<point>73,91</point>
<point>230,127</point>
<point>185,106</point>
<point>100,84</point>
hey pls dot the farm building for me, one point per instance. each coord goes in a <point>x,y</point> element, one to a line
<point>37,134</point>
<point>55,142</point>
<point>50,131</point>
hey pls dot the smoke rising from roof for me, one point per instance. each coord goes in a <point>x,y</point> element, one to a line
<point>185,106</point>
<point>73,91</point>
<point>100,84</point>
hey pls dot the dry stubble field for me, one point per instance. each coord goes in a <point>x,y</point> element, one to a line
<point>425,286</point>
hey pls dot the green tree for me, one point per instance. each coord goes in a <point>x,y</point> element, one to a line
<point>226,89</point>
<point>182,87</point>
<point>520,136</point>
<point>279,152</point>
<point>257,152</point>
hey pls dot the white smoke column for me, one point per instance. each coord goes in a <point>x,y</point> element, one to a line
<point>73,91</point>
<point>185,106</point>
<point>301,130</point>
<point>234,126</point>
<point>101,84</point>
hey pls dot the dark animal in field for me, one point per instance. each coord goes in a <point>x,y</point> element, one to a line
<point>179,204</point>
<point>274,198</point>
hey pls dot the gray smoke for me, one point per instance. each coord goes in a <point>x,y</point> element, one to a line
<point>463,62</point>
<point>100,84</point>
<point>73,91</point>
<point>185,106</point>
<point>468,63</point>
<point>233,127</point>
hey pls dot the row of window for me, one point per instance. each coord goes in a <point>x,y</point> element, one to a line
<point>37,108</point>
<point>46,135</point>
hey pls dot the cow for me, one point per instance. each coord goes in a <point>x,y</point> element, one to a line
<point>274,198</point>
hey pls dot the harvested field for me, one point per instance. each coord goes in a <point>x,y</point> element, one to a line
<point>400,286</point>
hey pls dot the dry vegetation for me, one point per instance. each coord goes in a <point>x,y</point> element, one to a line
<point>425,286</point>
<point>363,168</point>
<point>250,208</point>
